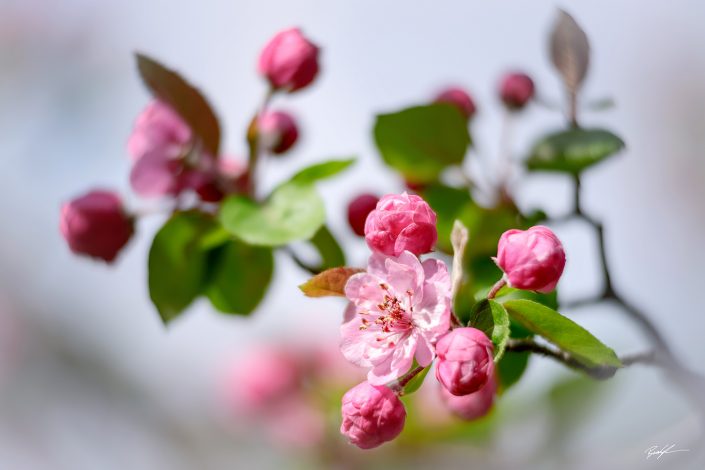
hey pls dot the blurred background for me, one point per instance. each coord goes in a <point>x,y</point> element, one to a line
<point>91,379</point>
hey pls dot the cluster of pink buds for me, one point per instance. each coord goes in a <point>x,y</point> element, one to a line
<point>400,316</point>
<point>169,160</point>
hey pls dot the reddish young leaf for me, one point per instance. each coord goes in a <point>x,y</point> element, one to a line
<point>170,87</point>
<point>330,282</point>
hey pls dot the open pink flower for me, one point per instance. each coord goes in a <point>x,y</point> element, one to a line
<point>402,308</point>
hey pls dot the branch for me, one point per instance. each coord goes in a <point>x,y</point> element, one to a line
<point>597,372</point>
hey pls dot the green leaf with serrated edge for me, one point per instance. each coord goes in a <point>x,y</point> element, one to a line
<point>415,383</point>
<point>573,150</point>
<point>320,171</point>
<point>293,212</point>
<point>562,332</point>
<point>491,318</point>
<point>177,263</point>
<point>239,277</point>
<point>169,87</point>
<point>421,141</point>
<point>330,282</point>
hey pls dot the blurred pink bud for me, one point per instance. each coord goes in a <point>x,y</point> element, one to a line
<point>264,377</point>
<point>516,89</point>
<point>277,131</point>
<point>460,98</point>
<point>372,415</point>
<point>289,60</point>
<point>203,183</point>
<point>401,222</point>
<point>96,225</point>
<point>465,360</point>
<point>156,174</point>
<point>472,406</point>
<point>158,129</point>
<point>296,423</point>
<point>531,259</point>
<point>358,210</point>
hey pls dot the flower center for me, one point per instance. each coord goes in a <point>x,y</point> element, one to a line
<point>394,317</point>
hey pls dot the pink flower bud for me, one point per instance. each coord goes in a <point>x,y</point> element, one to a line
<point>401,222</point>
<point>465,360</point>
<point>156,174</point>
<point>158,129</point>
<point>277,131</point>
<point>289,60</point>
<point>358,210</point>
<point>372,415</point>
<point>266,376</point>
<point>460,98</point>
<point>203,183</point>
<point>96,225</point>
<point>531,259</point>
<point>474,405</point>
<point>516,89</point>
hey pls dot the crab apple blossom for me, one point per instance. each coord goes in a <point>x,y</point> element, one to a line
<point>96,225</point>
<point>474,405</point>
<point>403,307</point>
<point>277,131</point>
<point>358,210</point>
<point>459,98</point>
<point>158,129</point>
<point>267,375</point>
<point>516,89</point>
<point>289,60</point>
<point>465,360</point>
<point>531,259</point>
<point>401,222</point>
<point>372,415</point>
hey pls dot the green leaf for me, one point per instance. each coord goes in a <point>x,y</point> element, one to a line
<point>415,383</point>
<point>573,150</point>
<point>240,276</point>
<point>292,212</point>
<point>562,332</point>
<point>187,101</point>
<point>448,203</point>
<point>321,171</point>
<point>550,300</point>
<point>510,369</point>
<point>491,318</point>
<point>330,282</point>
<point>331,254</point>
<point>513,364</point>
<point>177,263</point>
<point>420,142</point>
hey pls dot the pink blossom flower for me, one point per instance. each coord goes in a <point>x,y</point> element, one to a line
<point>158,129</point>
<point>465,360</point>
<point>531,259</point>
<point>401,222</point>
<point>372,415</point>
<point>289,60</point>
<point>403,307</point>
<point>96,225</point>
<point>472,406</point>
<point>459,98</point>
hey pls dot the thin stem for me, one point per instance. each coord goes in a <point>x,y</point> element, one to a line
<point>596,372</point>
<point>400,383</point>
<point>496,288</point>
<point>455,321</point>
<point>253,143</point>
